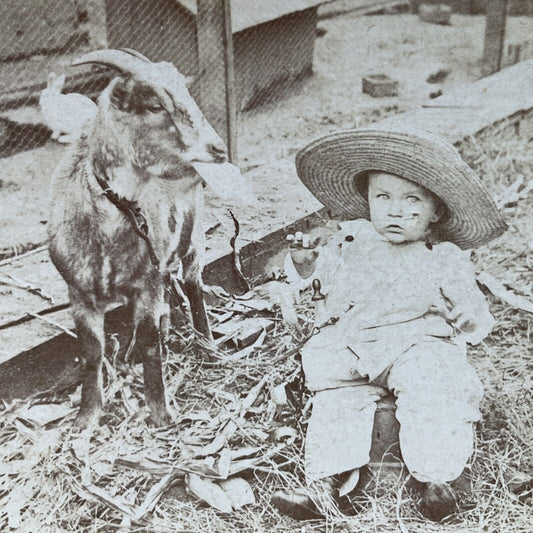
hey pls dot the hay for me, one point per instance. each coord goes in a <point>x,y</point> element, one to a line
<point>129,477</point>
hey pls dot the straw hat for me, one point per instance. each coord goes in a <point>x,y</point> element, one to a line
<point>331,167</point>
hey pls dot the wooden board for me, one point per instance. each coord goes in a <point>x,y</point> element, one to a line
<point>215,55</point>
<point>506,96</point>
<point>495,23</point>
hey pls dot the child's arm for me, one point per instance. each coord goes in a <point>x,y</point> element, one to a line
<point>301,262</point>
<point>467,307</point>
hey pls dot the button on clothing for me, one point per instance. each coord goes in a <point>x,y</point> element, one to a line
<point>405,314</point>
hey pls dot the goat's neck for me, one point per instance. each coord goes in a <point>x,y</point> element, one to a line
<point>125,182</point>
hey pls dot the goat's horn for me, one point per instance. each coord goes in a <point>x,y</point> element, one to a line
<point>135,53</point>
<point>114,58</point>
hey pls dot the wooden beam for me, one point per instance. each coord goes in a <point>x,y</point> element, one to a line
<point>97,24</point>
<point>216,69</point>
<point>496,18</point>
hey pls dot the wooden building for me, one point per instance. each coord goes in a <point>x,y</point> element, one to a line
<point>273,40</point>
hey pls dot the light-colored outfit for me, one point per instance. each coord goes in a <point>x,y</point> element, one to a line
<point>395,304</point>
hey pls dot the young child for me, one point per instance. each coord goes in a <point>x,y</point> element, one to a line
<point>404,301</point>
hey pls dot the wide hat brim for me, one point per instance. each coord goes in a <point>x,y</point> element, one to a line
<point>331,166</point>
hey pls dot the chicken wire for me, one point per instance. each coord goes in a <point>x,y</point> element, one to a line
<point>269,53</point>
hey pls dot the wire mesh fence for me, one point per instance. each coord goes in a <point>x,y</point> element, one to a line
<point>254,57</point>
<point>270,49</point>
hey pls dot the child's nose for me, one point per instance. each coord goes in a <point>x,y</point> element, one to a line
<point>396,208</point>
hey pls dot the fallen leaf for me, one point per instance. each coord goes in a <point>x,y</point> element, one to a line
<point>154,495</point>
<point>238,491</point>
<point>241,354</point>
<point>209,492</point>
<point>497,288</point>
<point>252,396</point>
<point>223,463</point>
<point>244,452</point>
<point>285,433</point>
<point>213,447</point>
<point>349,484</point>
<point>42,414</point>
<point>255,305</point>
<point>247,464</point>
<point>117,502</point>
<point>279,394</point>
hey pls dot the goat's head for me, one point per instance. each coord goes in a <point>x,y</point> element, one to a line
<point>149,112</point>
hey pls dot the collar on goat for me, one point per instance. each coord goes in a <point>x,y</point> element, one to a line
<point>134,214</point>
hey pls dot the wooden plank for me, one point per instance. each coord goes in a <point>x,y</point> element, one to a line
<point>97,27</point>
<point>334,8</point>
<point>471,108</point>
<point>57,353</point>
<point>246,14</point>
<point>217,78</point>
<point>496,19</point>
<point>30,27</point>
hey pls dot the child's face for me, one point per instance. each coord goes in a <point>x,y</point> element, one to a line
<point>400,210</point>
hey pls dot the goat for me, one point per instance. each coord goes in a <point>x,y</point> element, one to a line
<point>126,213</point>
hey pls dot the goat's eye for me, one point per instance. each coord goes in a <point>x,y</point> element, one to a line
<point>154,108</point>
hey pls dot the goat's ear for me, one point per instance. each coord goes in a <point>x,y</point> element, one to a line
<point>120,96</point>
<point>131,96</point>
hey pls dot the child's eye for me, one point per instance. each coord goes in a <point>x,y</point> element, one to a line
<point>383,196</point>
<point>413,199</point>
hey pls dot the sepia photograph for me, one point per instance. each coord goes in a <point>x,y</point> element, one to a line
<point>266,266</point>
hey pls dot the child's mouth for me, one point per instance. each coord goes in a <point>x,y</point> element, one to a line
<point>394,228</point>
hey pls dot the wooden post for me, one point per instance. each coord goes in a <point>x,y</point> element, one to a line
<point>97,24</point>
<point>216,70</point>
<point>496,18</point>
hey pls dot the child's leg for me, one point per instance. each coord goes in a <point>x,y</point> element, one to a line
<point>438,395</point>
<point>327,362</point>
<point>339,434</point>
<point>340,428</point>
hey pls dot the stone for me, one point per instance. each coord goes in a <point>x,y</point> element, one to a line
<point>380,85</point>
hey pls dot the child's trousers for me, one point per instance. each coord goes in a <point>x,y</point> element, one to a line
<point>437,401</point>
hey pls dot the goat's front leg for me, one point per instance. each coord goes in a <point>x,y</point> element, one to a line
<point>148,315</point>
<point>90,330</point>
<point>192,288</point>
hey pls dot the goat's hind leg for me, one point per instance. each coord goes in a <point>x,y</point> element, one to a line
<point>90,330</point>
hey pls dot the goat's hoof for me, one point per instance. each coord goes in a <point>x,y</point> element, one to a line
<point>159,418</point>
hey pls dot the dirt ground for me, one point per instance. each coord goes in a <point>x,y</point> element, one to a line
<point>399,45</point>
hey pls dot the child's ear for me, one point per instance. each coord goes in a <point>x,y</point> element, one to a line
<point>440,211</point>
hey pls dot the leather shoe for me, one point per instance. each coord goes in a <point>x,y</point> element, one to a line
<point>296,504</point>
<point>439,501</point>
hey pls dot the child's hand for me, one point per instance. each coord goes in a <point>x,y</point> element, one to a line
<point>304,248</point>
<point>462,321</point>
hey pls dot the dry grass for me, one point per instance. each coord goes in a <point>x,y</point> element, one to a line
<point>128,477</point>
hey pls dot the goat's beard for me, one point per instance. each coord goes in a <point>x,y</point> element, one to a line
<point>226,181</point>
